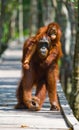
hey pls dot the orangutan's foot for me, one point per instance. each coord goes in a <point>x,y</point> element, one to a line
<point>20,106</point>
<point>35,104</point>
<point>55,106</point>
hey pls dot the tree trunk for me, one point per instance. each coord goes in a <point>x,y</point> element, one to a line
<point>20,20</point>
<point>47,11</point>
<point>33,17</point>
<point>2,20</point>
<point>13,24</point>
<point>75,85</point>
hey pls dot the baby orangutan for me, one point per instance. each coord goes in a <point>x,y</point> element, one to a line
<point>40,66</point>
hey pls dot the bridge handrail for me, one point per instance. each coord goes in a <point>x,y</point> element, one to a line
<point>66,110</point>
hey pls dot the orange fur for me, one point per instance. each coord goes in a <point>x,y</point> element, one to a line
<point>44,74</point>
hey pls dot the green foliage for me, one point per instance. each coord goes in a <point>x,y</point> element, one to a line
<point>75,2</point>
<point>26,32</point>
<point>16,34</point>
<point>5,32</point>
<point>6,11</point>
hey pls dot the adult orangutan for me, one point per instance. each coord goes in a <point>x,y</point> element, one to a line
<point>30,46</point>
<point>42,68</point>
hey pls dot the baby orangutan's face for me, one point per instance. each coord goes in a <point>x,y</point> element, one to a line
<point>52,32</point>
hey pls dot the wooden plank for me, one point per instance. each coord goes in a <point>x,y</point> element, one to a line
<point>12,55</point>
<point>9,73</point>
<point>34,120</point>
<point>68,114</point>
<point>26,127</point>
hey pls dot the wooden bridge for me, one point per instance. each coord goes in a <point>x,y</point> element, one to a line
<point>11,119</point>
